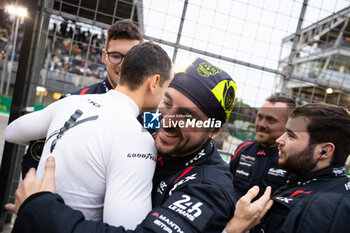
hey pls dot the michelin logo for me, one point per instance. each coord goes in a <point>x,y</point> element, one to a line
<point>151,120</point>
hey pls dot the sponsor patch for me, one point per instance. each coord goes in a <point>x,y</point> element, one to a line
<point>284,199</point>
<point>245,166</point>
<point>142,156</point>
<point>161,187</point>
<point>241,172</point>
<point>277,172</point>
<point>339,171</point>
<point>195,211</point>
<point>247,157</point>
<point>347,186</point>
<point>186,179</point>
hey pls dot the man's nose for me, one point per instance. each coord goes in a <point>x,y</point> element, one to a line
<point>280,140</point>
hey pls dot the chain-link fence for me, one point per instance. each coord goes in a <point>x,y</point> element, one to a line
<point>298,48</point>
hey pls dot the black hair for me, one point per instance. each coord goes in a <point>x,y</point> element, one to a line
<point>142,61</point>
<point>328,123</point>
<point>123,29</point>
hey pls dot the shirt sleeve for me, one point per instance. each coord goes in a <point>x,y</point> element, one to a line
<point>32,126</point>
<point>131,161</point>
<point>205,209</point>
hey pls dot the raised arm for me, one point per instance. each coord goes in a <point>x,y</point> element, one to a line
<point>29,127</point>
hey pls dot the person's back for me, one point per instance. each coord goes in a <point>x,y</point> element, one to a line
<point>105,160</point>
<point>84,142</point>
<point>121,37</point>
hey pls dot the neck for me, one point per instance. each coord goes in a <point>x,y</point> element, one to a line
<point>191,151</point>
<point>267,146</point>
<point>138,95</point>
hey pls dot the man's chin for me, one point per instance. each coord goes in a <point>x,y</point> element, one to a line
<point>164,148</point>
<point>261,140</point>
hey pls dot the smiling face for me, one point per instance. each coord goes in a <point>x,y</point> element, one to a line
<point>113,70</point>
<point>180,141</point>
<point>296,154</point>
<point>270,123</point>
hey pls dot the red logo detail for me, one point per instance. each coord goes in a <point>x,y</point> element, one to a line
<point>84,91</point>
<point>261,152</point>
<point>234,156</point>
<point>160,160</point>
<point>155,214</point>
<point>184,173</point>
<point>299,192</point>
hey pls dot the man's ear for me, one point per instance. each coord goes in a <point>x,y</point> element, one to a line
<point>215,133</point>
<point>154,82</point>
<point>104,56</point>
<point>326,150</point>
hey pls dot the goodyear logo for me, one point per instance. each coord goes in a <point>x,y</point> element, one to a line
<point>205,69</point>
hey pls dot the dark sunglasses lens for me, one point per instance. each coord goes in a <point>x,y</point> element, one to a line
<point>115,58</point>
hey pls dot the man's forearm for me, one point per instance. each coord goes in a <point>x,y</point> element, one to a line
<point>46,212</point>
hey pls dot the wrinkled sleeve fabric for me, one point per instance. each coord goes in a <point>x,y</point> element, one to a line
<point>130,163</point>
<point>32,126</point>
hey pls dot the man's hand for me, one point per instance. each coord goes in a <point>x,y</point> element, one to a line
<point>247,214</point>
<point>31,184</point>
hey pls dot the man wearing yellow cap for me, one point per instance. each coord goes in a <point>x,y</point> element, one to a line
<point>192,185</point>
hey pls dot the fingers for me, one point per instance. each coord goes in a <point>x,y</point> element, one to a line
<point>266,208</point>
<point>30,174</point>
<point>251,194</point>
<point>49,168</point>
<point>10,207</point>
<point>264,198</point>
<point>48,182</point>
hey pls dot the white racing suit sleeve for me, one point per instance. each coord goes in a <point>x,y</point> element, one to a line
<point>29,127</point>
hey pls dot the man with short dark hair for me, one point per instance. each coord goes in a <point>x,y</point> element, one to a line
<point>314,147</point>
<point>105,160</point>
<point>256,162</point>
<point>121,37</point>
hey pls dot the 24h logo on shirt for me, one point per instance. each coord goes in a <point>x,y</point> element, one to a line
<point>151,120</point>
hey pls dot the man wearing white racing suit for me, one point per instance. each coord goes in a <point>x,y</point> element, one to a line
<point>121,37</point>
<point>105,160</point>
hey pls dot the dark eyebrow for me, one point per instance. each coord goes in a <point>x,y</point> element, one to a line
<point>191,112</point>
<point>166,94</point>
<point>291,132</point>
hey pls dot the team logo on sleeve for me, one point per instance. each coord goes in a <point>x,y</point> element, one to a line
<point>187,207</point>
<point>151,120</point>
